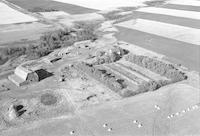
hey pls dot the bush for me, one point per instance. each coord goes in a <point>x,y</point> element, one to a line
<point>163,82</point>
<point>102,75</point>
<point>117,84</point>
<point>3,60</point>
<point>113,15</point>
<point>153,85</point>
<point>12,51</point>
<point>126,93</point>
<point>154,3</point>
<point>148,86</point>
<point>50,41</point>
<point>90,29</point>
<point>167,70</point>
<point>142,88</point>
<point>42,9</point>
<point>107,57</point>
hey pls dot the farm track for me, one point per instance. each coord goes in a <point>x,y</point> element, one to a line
<point>145,72</point>
<point>126,75</point>
<point>133,71</point>
<point>132,84</point>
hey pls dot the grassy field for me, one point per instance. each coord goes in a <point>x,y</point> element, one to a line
<point>120,115</point>
<point>104,4</point>
<point>48,4</point>
<point>25,32</point>
<point>172,48</point>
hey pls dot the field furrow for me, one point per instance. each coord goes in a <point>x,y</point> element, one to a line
<point>131,84</point>
<point>134,72</point>
<point>143,71</point>
<point>127,75</point>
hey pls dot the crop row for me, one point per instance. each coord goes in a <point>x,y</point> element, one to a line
<point>142,85</point>
<point>157,66</point>
<point>109,79</point>
<point>134,70</point>
<point>126,73</point>
<point>116,82</point>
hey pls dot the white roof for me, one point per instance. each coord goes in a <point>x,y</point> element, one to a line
<point>22,72</point>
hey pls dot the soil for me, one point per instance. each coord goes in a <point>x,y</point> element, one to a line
<point>48,99</point>
<point>73,101</point>
<point>46,4</point>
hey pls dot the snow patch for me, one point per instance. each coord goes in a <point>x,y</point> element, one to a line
<point>11,16</point>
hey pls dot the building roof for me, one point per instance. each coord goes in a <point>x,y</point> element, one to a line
<point>16,79</point>
<point>24,69</point>
<point>22,72</point>
<point>31,66</point>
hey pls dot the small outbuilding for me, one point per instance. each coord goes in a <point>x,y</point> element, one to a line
<point>29,72</point>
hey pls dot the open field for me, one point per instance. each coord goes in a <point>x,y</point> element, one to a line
<point>49,4</point>
<point>25,33</point>
<point>53,15</point>
<point>90,103</point>
<point>124,73</point>
<point>171,12</point>
<point>185,2</point>
<point>11,16</point>
<point>172,39</point>
<point>101,77</point>
<point>68,19</point>
<point>144,72</point>
<point>106,4</point>
<point>171,48</point>
<point>172,99</point>
<point>175,32</point>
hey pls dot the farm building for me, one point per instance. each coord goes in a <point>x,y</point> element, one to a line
<point>83,44</point>
<point>28,73</point>
<point>52,57</point>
